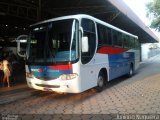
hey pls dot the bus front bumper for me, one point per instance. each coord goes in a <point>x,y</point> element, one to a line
<point>68,86</point>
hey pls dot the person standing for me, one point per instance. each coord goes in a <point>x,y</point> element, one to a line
<point>1,71</point>
<point>7,72</point>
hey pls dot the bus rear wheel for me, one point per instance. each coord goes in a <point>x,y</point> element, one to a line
<point>131,71</point>
<point>100,82</point>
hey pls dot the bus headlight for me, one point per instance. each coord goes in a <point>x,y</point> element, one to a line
<point>68,76</point>
<point>29,75</point>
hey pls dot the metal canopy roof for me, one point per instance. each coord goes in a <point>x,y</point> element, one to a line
<point>21,13</point>
<point>148,35</point>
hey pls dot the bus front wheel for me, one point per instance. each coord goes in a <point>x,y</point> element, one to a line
<point>100,82</point>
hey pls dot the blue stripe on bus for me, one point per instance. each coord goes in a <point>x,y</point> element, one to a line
<point>119,64</point>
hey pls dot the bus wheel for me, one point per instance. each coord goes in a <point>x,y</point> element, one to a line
<point>100,82</point>
<point>131,72</point>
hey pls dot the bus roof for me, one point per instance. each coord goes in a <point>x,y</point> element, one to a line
<point>79,16</point>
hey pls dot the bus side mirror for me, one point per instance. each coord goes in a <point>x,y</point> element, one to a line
<point>22,39</point>
<point>85,45</point>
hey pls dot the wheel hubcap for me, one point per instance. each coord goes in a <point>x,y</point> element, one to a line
<point>100,83</point>
<point>131,71</point>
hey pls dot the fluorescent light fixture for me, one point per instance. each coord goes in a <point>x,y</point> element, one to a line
<point>23,41</point>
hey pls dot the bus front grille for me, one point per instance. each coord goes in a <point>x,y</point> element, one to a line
<point>48,86</point>
<point>46,78</point>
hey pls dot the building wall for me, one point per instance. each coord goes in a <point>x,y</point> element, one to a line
<point>147,53</point>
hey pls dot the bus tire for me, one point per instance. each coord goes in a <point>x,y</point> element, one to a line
<point>131,71</point>
<point>100,82</point>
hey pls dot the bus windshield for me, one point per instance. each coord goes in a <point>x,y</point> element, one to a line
<point>53,42</point>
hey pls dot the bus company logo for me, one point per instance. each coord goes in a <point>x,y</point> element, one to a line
<point>36,70</point>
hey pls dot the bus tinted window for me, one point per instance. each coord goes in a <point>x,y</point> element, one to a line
<point>136,44</point>
<point>104,35</point>
<point>117,38</point>
<point>89,31</point>
<point>88,25</point>
<point>131,42</point>
<point>125,41</point>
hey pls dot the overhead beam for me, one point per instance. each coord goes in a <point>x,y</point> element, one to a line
<point>114,16</point>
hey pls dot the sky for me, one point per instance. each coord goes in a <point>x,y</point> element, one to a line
<point>139,7</point>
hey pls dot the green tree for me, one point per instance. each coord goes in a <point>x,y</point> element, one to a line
<point>153,12</point>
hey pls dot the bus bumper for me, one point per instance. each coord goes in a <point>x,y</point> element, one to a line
<point>68,86</point>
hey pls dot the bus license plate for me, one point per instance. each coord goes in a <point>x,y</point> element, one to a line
<point>47,89</point>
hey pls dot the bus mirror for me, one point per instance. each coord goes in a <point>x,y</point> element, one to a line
<point>85,45</point>
<point>21,40</point>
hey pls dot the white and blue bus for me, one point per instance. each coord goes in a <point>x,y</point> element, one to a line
<point>75,53</point>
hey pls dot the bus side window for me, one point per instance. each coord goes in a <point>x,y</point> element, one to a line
<point>125,41</point>
<point>136,44</point>
<point>117,38</point>
<point>109,36</point>
<point>132,44</point>
<point>89,31</point>
<point>104,35</point>
<point>101,38</point>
